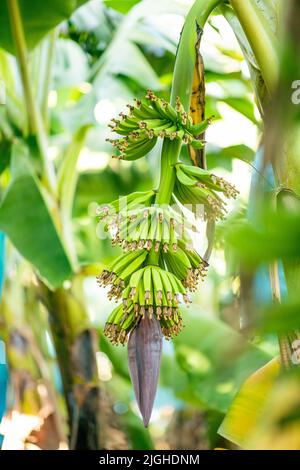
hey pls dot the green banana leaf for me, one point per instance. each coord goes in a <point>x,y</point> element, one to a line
<point>38,19</point>
<point>212,361</point>
<point>123,6</point>
<point>25,218</point>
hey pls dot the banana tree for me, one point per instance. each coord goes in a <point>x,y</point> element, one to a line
<point>160,264</point>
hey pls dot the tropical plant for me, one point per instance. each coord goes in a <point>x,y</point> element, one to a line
<point>148,289</point>
<point>61,82</point>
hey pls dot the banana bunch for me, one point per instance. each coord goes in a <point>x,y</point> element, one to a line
<point>118,273</point>
<point>134,222</point>
<point>186,264</point>
<point>147,228</point>
<point>151,291</point>
<point>197,186</point>
<point>150,118</point>
<point>111,214</point>
<point>151,227</point>
<point>159,264</point>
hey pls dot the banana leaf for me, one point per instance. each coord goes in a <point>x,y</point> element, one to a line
<point>38,19</point>
<point>245,410</point>
<point>26,220</point>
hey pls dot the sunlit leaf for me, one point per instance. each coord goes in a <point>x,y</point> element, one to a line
<point>132,63</point>
<point>245,410</point>
<point>243,106</point>
<point>71,64</point>
<point>38,19</point>
<point>279,425</point>
<point>123,6</point>
<point>223,157</point>
<point>25,218</point>
<point>212,362</point>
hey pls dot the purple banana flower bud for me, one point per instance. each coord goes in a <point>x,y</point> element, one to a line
<point>144,356</point>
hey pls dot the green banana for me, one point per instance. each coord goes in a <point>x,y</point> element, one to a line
<point>141,300</point>
<point>153,227</point>
<point>115,315</point>
<point>153,123</point>
<point>125,259</point>
<point>139,151</point>
<point>197,129</point>
<point>184,178</point>
<point>133,266</point>
<point>167,287</point>
<point>197,144</point>
<point>159,106</point>
<point>145,109</point>
<point>165,235</point>
<point>169,111</point>
<point>147,280</point>
<point>157,284</point>
<point>135,278</point>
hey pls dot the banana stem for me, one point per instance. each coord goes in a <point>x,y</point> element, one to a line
<point>34,115</point>
<point>182,87</point>
<point>186,53</point>
<point>67,181</point>
<point>47,79</point>
<point>169,156</point>
<point>261,39</point>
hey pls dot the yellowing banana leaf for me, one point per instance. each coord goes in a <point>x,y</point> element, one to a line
<point>279,425</point>
<point>38,19</point>
<point>25,218</point>
<point>245,410</point>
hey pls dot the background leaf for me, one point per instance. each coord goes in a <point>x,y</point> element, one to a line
<point>25,218</point>
<point>38,19</point>
<point>246,408</point>
<point>214,360</point>
<point>123,6</point>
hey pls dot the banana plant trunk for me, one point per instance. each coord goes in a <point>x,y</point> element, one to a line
<point>76,346</point>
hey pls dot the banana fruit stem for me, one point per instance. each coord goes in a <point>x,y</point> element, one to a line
<point>182,87</point>
<point>169,156</point>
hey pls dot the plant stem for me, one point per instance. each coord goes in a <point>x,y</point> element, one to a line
<point>34,116</point>
<point>261,38</point>
<point>169,156</point>
<point>67,181</point>
<point>47,75</point>
<point>182,87</point>
<point>186,53</point>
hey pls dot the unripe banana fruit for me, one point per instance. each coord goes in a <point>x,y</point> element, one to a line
<point>151,291</point>
<point>197,186</point>
<point>149,119</point>
<point>159,264</point>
